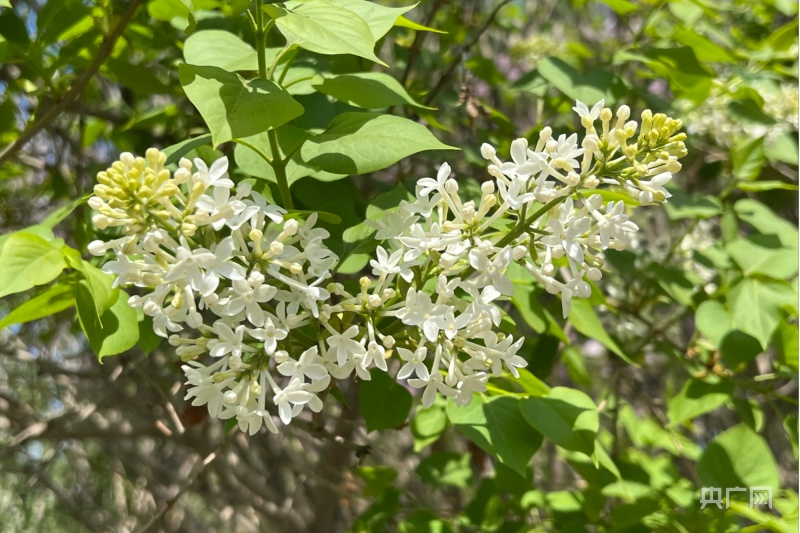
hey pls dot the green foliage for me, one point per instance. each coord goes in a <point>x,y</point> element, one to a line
<point>677,380</point>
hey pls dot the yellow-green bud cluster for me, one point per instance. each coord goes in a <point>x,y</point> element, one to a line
<point>134,192</point>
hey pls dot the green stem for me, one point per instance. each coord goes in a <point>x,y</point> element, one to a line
<point>279,166</point>
<point>278,163</point>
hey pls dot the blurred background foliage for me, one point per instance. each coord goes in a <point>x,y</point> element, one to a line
<point>691,358</point>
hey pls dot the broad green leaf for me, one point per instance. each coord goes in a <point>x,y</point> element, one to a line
<point>380,19</point>
<point>324,28</point>
<point>756,306</point>
<point>446,468</point>
<point>748,158</point>
<point>360,143</point>
<point>698,398</point>
<point>388,201</point>
<point>222,49</point>
<point>59,214</point>
<point>97,282</point>
<point>5,3</point>
<point>764,254</point>
<point>526,302</point>
<point>584,318</point>
<point>704,48</point>
<point>177,151</point>
<point>568,417</point>
<point>682,205</point>
<point>786,342</point>
<point>675,283</point>
<point>687,76</point>
<point>766,221</point>
<point>428,425</point>
<point>234,108</point>
<point>781,147</point>
<point>376,478</point>
<point>589,88</point>
<point>249,158</point>
<point>384,403</point>
<point>148,339</point>
<point>497,427</point>
<point>738,457</point>
<point>52,300</point>
<point>368,90</point>
<point>28,260</point>
<point>621,7</point>
<point>116,331</point>
<point>138,78</point>
<point>715,323</point>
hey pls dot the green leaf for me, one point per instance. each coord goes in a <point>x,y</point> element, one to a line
<point>360,143</point>
<point>756,306</point>
<point>583,317</point>
<point>97,282</point>
<point>446,468</point>
<point>679,65</point>
<point>116,331</point>
<point>698,398</point>
<point>138,78</point>
<point>384,403</point>
<point>368,90</point>
<point>403,22</point>
<point>497,427</point>
<point>428,425</point>
<point>704,48</point>
<point>175,152</point>
<point>589,88</point>
<point>781,148</point>
<point>380,19</point>
<point>377,479</point>
<point>621,7</point>
<point>766,185</point>
<point>715,323</point>
<point>682,205</point>
<point>738,457</point>
<point>52,300</point>
<point>221,49</point>
<point>766,221</point>
<point>764,254</point>
<point>28,260</point>
<point>748,158</point>
<point>324,28</point>
<point>234,108</point>
<point>568,417</point>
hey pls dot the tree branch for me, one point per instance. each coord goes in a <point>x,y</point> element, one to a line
<point>77,89</point>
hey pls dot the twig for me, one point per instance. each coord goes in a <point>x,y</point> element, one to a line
<point>77,89</point>
<point>198,469</point>
<point>463,50</point>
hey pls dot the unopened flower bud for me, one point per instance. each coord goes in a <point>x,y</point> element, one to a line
<point>488,151</point>
<point>594,274</point>
<point>290,227</point>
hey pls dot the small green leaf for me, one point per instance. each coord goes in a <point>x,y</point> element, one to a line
<point>234,108</point>
<point>368,90</point>
<point>497,427</point>
<point>588,88</point>
<point>568,417</point>
<point>385,404</point>
<point>446,468</point>
<point>428,425</point>
<point>222,49</point>
<point>767,185</point>
<point>715,323</point>
<point>738,457</point>
<point>115,332</point>
<point>52,300</point>
<point>583,317</point>
<point>175,152</point>
<point>682,205</point>
<point>28,260</point>
<point>360,143</point>
<point>403,22</point>
<point>324,28</point>
<point>698,398</point>
<point>748,159</point>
